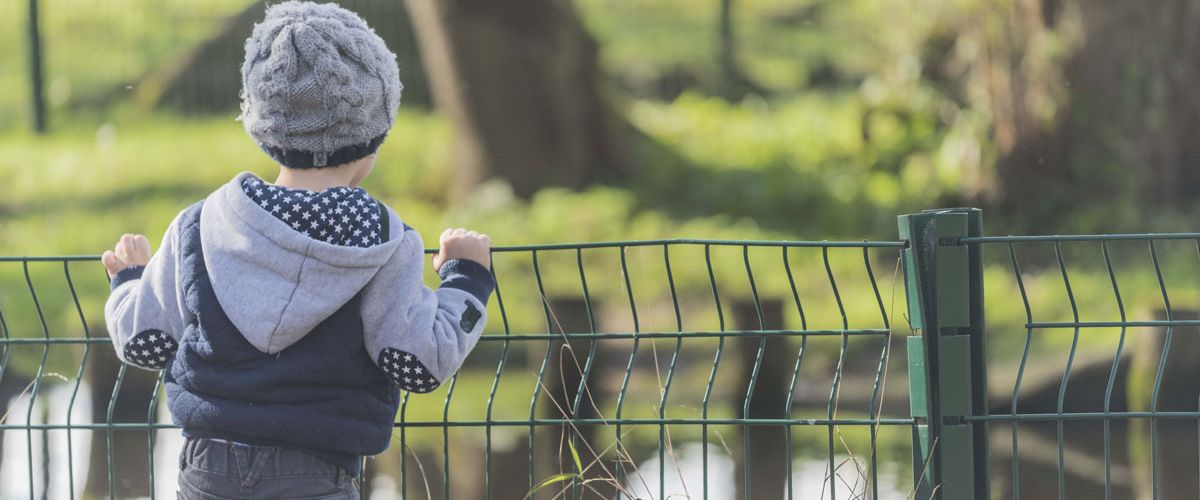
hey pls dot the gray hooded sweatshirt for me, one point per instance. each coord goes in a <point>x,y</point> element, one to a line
<point>276,284</point>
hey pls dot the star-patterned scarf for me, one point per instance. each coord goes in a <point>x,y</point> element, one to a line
<point>342,216</point>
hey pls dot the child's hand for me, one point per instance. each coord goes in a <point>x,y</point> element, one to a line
<point>132,250</point>
<point>462,244</point>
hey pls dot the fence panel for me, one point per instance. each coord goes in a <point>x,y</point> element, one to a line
<point>1106,356</point>
<point>713,369</point>
<point>1081,386</point>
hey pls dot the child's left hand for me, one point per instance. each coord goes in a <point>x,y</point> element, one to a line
<point>131,250</point>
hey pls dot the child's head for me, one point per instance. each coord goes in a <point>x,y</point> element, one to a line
<point>319,88</point>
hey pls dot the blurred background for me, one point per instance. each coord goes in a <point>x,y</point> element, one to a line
<point>804,118</point>
<point>543,121</point>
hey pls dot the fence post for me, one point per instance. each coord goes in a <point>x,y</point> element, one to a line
<point>943,280</point>
<point>37,97</point>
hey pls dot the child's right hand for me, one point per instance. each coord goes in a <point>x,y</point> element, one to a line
<point>131,250</point>
<point>458,243</point>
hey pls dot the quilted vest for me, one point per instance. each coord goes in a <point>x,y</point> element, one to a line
<point>322,395</point>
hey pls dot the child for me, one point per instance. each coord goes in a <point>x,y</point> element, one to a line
<point>288,316</point>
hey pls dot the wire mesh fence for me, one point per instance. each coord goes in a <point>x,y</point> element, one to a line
<point>712,369</point>
<point>1095,395</point>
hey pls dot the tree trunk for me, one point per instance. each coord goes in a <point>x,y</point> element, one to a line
<point>1126,131</point>
<point>520,83</point>
<point>768,460</point>
<point>130,449</point>
<point>734,84</point>
<point>1176,463</point>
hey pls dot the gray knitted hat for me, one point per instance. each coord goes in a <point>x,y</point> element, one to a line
<point>319,87</point>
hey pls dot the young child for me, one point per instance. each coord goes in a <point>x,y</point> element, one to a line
<point>288,315</point>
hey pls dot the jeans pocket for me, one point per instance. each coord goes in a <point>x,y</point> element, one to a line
<point>195,484</point>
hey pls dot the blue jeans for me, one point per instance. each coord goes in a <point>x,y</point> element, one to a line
<point>211,470</point>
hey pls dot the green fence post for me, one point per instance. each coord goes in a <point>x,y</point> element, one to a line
<point>37,98</point>
<point>943,279</point>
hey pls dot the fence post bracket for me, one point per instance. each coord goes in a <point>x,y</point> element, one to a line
<point>943,281</point>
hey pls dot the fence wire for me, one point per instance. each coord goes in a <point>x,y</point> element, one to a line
<point>615,370</point>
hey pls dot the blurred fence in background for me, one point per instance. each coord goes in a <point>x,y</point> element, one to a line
<point>155,54</point>
<point>73,59</point>
<point>713,369</point>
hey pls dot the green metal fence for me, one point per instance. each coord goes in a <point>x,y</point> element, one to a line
<point>709,369</point>
<point>1074,417</point>
<point>602,365</point>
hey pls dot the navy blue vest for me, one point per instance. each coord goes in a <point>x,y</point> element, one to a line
<point>322,395</point>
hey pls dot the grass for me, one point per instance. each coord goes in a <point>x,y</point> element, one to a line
<point>156,166</point>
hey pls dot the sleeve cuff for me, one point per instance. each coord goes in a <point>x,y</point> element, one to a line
<point>468,276</point>
<point>127,274</point>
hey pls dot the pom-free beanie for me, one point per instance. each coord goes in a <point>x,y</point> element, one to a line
<point>319,87</point>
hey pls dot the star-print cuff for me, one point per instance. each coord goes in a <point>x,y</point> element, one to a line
<point>150,349</point>
<point>406,371</point>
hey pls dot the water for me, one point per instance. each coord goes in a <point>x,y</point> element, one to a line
<point>15,457</point>
<point>685,478</point>
<point>14,467</point>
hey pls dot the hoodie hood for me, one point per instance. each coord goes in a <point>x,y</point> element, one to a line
<point>276,283</point>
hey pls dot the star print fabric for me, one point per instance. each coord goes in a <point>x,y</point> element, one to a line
<point>341,216</point>
<point>406,371</point>
<point>150,349</point>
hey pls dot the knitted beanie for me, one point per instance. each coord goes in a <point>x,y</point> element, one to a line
<point>319,87</point>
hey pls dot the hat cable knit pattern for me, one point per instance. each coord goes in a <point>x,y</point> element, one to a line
<point>319,87</point>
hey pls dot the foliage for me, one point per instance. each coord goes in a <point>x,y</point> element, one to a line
<point>835,164</point>
<point>783,45</point>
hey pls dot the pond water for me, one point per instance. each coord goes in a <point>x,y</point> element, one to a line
<point>810,478</point>
<point>684,477</point>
